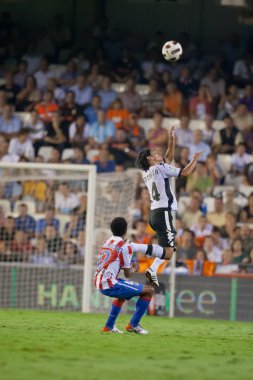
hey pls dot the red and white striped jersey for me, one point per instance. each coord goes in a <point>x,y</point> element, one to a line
<point>114,255</point>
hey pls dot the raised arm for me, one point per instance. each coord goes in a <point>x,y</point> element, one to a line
<point>169,155</point>
<point>192,165</point>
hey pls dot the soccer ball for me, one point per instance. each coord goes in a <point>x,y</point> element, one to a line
<point>172,50</point>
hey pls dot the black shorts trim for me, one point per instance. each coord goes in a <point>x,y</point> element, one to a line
<point>161,221</point>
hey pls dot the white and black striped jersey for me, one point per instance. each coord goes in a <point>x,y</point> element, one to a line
<point>158,184</point>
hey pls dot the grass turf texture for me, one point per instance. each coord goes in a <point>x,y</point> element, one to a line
<point>53,345</point>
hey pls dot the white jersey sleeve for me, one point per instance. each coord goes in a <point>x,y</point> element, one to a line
<point>169,170</point>
<point>127,253</point>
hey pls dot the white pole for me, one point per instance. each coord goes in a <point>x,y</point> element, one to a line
<point>87,275</point>
<point>172,277</point>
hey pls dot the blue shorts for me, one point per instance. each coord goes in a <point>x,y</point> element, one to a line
<point>123,289</point>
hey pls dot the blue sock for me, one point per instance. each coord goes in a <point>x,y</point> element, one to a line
<point>114,312</point>
<point>141,307</point>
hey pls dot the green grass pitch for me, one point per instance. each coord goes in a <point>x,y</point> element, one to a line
<point>36,345</point>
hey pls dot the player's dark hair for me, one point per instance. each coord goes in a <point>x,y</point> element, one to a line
<point>119,226</point>
<point>142,160</point>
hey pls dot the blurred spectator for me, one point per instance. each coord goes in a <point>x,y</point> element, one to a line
<point>104,164</point>
<point>73,227</point>
<point>79,157</point>
<point>20,247</point>
<point>227,257</point>
<point>24,221</point>
<point>91,111</point>
<point>213,169</point>
<point>117,114</point>
<point>239,256</point>
<point>183,133</point>
<point>69,253</point>
<point>243,119</point>
<point>54,156</point>
<point>230,204</point>
<point>189,48</point>
<point>82,62</point>
<point>47,107</point>
<point>32,57</point>
<point>182,161</point>
<point>69,110</point>
<point>240,159</point>
<point>53,241</point>
<point>11,191</point>
<point>218,240</point>
<point>213,253</point>
<point>95,78</point>
<point>41,256</point>
<point>227,230</point>
<point>79,131</point>
<point>202,104</point>
<point>7,232</point>
<point>140,235</point>
<point>208,132</point>
<point>218,216</point>
<point>215,83</point>
<point>122,150</point>
<point>173,101</point>
<point>82,90</point>
<point>21,74</point>
<point>5,156</point>
<point>49,219</point>
<point>135,133</point>
<point>29,95</point>
<point>186,84</point>
<point>228,137</point>
<point>246,214</point>
<point>59,93</point>
<point>2,217</point>
<point>192,213</point>
<point>10,125</point>
<point>228,102</point>
<point>125,67</point>
<point>200,180</point>
<point>131,100</point>
<point>186,249</point>
<point>68,78</point>
<point>106,94</point>
<point>22,145</point>
<point>3,101</point>
<point>247,100</point>
<point>10,88</point>
<point>158,136</point>
<point>80,241</point>
<point>243,70</point>
<point>198,145</point>
<point>202,228</point>
<point>56,133</point>
<point>101,131</point>
<point>43,74</point>
<point>246,238</point>
<point>45,43</point>
<point>65,200</point>
<point>153,100</point>
<point>152,65</point>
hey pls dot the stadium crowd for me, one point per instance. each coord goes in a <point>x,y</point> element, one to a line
<point>92,101</point>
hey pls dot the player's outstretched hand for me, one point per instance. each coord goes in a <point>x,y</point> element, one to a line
<point>171,131</point>
<point>135,266</point>
<point>197,155</point>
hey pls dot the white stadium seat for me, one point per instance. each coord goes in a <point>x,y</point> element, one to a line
<point>57,70</point>
<point>246,190</point>
<point>23,116</point>
<point>92,154</point>
<point>224,162</point>
<point>118,87</point>
<point>142,89</point>
<point>6,206</point>
<point>218,124</point>
<point>209,201</point>
<point>197,124</point>
<point>222,189</point>
<point>67,154</point>
<point>45,152</point>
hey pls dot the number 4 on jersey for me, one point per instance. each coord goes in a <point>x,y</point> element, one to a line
<point>155,194</point>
